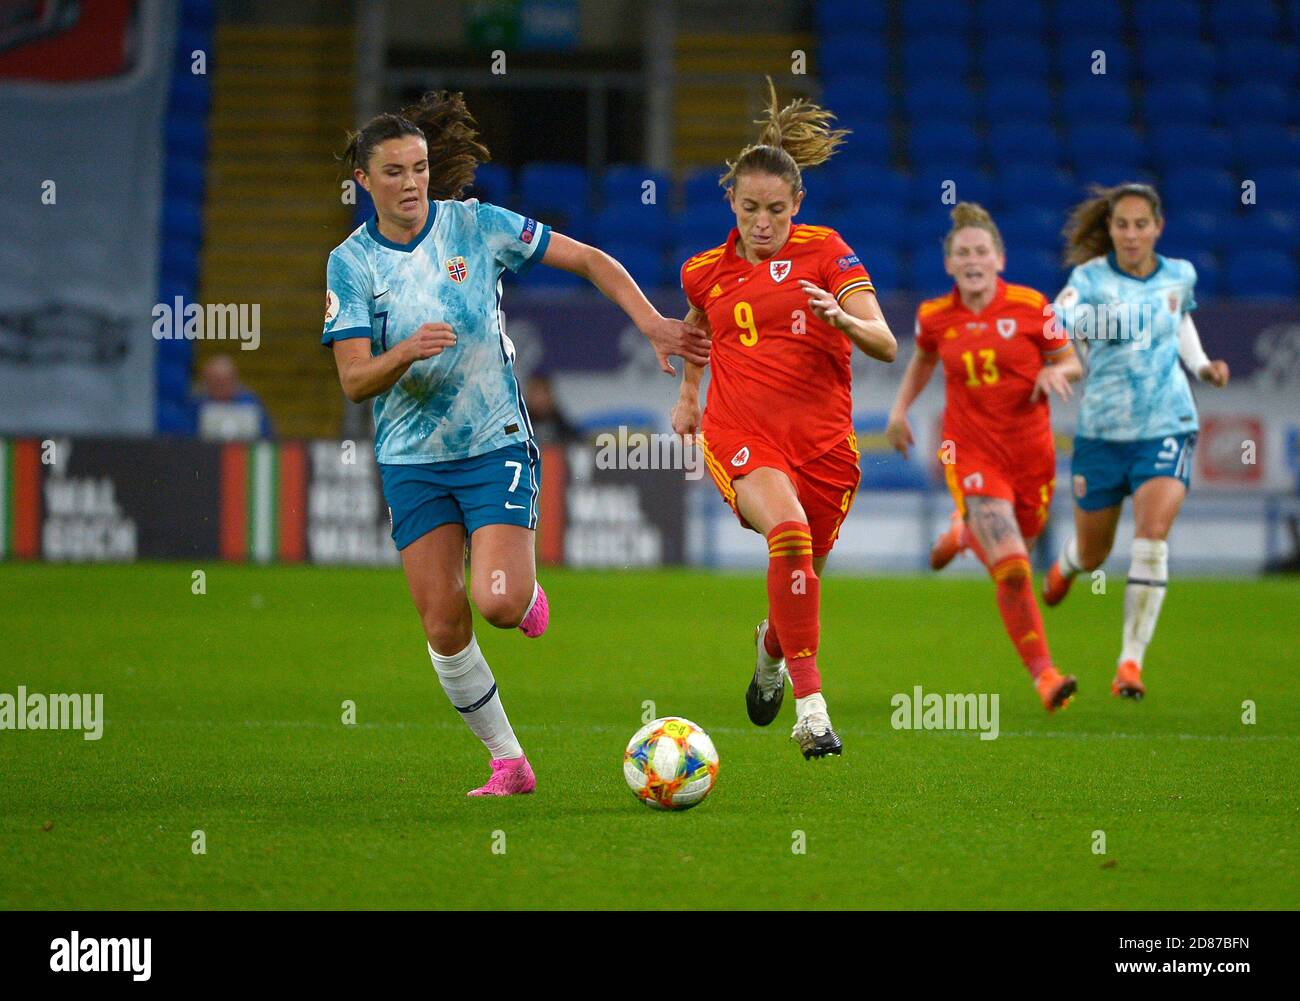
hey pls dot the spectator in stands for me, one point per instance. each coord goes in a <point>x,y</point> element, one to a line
<point>550,426</point>
<point>226,411</point>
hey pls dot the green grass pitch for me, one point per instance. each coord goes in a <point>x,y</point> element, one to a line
<point>224,715</point>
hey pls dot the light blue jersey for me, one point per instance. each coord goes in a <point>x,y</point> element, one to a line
<point>1128,327</point>
<point>465,401</point>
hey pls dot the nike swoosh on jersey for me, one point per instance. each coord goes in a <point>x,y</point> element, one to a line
<point>383,293</point>
<point>514,507</point>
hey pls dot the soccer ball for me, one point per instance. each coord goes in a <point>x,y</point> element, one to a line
<point>670,764</point>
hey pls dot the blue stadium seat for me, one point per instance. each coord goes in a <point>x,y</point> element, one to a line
<point>883,264</point>
<point>868,143</point>
<point>1075,59</point>
<point>1208,189</point>
<point>625,184</point>
<point>1039,268</point>
<point>854,54</point>
<point>1018,55</point>
<point>1020,141</point>
<point>1180,101</point>
<point>554,190</point>
<point>187,136</point>
<point>867,223</point>
<point>1278,186</point>
<point>700,184</point>
<point>704,227</point>
<point>1260,274</point>
<point>1258,20</point>
<point>1111,172</point>
<point>1259,146</point>
<point>1258,228</point>
<point>492,183</point>
<point>1087,143</point>
<point>1178,59</point>
<point>927,57</point>
<point>1175,145</point>
<point>1256,103</point>
<point>648,224</point>
<point>936,139</point>
<point>647,265</point>
<point>995,17</point>
<point>857,98</point>
<point>1247,59</point>
<point>1209,274</point>
<point>926,276</point>
<point>1103,16</point>
<point>185,178</point>
<point>182,218</point>
<point>1030,227</point>
<point>1161,18</point>
<point>936,17</point>
<point>938,99</point>
<point>839,16</point>
<point>1189,232</point>
<point>845,182</point>
<point>1017,97</point>
<point>929,185</point>
<point>1096,102</point>
<point>190,96</point>
<point>1037,184</point>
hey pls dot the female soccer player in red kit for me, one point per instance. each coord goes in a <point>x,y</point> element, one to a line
<point>786,303</point>
<point>1002,354</point>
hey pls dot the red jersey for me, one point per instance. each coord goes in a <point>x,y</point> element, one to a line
<point>990,361</point>
<point>776,370</point>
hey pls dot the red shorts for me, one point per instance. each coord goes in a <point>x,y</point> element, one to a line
<point>1028,487</point>
<point>825,485</point>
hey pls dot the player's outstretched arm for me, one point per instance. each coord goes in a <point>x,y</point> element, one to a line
<point>915,377</point>
<point>686,411</point>
<point>667,336</point>
<point>362,375</point>
<point>859,318</point>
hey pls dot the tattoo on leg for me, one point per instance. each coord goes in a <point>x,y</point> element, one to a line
<point>991,520</point>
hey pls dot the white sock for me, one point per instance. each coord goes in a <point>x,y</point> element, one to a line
<point>808,704</point>
<point>1143,596</point>
<point>1069,559</point>
<point>468,682</point>
<point>537,589</point>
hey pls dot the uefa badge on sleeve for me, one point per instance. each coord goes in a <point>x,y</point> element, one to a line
<point>456,269</point>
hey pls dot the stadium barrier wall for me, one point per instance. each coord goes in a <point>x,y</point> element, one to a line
<point>120,500</point>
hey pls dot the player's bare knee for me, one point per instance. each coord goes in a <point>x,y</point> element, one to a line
<point>446,634</point>
<point>505,611</point>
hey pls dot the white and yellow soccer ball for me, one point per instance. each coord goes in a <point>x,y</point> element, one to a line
<point>670,764</point>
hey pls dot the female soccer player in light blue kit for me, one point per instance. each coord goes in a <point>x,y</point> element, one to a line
<point>413,316</point>
<point>1131,309</point>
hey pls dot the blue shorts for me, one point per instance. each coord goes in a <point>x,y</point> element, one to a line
<point>496,488</point>
<point>1104,472</point>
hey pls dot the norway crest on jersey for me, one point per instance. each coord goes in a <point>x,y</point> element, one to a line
<point>1006,327</point>
<point>456,269</point>
<point>780,270</point>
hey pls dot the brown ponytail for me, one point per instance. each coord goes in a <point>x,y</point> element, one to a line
<point>791,138</point>
<point>1087,233</point>
<point>448,128</point>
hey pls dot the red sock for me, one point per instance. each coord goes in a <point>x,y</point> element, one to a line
<point>970,542</point>
<point>794,597</point>
<point>771,642</point>
<point>1020,614</point>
